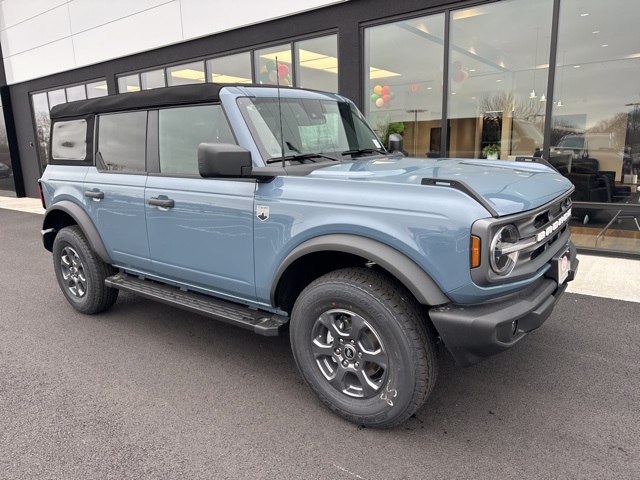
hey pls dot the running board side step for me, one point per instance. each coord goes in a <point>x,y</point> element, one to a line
<point>263,323</point>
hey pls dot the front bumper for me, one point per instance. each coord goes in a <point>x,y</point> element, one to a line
<point>473,333</point>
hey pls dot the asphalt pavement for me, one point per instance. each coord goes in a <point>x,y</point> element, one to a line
<point>146,391</point>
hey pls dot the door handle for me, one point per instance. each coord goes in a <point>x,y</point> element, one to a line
<point>95,194</point>
<point>162,202</point>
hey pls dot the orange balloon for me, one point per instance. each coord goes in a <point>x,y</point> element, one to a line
<point>377,89</point>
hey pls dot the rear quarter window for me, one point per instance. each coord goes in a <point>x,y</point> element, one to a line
<point>69,140</point>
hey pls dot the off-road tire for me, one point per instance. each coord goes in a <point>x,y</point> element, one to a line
<point>339,322</point>
<point>81,272</point>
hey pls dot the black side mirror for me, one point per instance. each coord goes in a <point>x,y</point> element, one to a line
<point>396,143</point>
<point>223,160</point>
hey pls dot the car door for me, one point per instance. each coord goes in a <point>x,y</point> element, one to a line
<point>200,231</point>
<point>114,188</point>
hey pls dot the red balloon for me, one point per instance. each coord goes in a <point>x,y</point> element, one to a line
<point>457,65</point>
<point>458,76</point>
<point>386,99</point>
<point>283,71</point>
<point>385,90</point>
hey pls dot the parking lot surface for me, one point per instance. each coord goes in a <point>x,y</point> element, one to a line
<point>148,391</point>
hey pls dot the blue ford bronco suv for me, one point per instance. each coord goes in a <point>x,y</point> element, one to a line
<point>280,209</point>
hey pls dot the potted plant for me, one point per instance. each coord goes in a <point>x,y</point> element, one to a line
<point>491,151</point>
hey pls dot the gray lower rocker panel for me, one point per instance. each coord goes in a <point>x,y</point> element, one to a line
<point>264,323</point>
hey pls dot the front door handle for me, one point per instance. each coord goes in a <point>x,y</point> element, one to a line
<point>162,202</point>
<point>95,194</point>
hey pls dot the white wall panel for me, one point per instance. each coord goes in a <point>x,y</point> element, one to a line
<point>52,58</point>
<point>201,17</point>
<point>13,12</point>
<point>143,31</point>
<point>87,14</point>
<point>46,28</point>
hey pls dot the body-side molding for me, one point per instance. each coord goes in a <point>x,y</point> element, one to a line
<point>414,278</point>
<point>84,222</point>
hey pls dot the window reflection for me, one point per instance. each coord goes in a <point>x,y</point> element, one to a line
<point>498,79</point>
<point>186,74</point>
<point>405,84</point>
<point>317,63</point>
<point>40,105</point>
<point>230,69</point>
<point>97,89</point>
<point>76,93</point>
<point>129,83</point>
<point>6,172</point>
<point>270,73</point>
<point>153,79</point>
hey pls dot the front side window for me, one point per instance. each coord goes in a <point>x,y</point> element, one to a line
<point>308,127</point>
<point>122,141</point>
<point>183,129</point>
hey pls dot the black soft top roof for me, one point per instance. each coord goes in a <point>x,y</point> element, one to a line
<point>160,97</point>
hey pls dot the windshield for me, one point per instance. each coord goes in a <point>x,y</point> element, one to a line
<point>571,142</point>
<point>309,127</point>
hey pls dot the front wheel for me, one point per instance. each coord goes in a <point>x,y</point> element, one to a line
<point>362,344</point>
<point>81,273</point>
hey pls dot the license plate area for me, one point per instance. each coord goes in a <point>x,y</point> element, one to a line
<point>560,266</point>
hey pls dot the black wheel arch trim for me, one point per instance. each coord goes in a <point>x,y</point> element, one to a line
<point>83,220</point>
<point>414,278</point>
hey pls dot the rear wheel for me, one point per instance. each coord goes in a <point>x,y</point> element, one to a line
<point>362,344</point>
<point>81,273</point>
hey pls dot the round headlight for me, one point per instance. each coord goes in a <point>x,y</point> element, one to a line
<point>503,262</point>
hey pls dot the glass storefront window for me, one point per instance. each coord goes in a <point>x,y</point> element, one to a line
<point>317,63</point>
<point>498,79</point>
<point>97,89</point>
<point>230,69</point>
<point>152,79</point>
<point>7,186</point>
<point>56,97</point>
<point>596,119</point>
<point>186,74</point>
<point>40,105</point>
<point>268,72</point>
<point>403,73</point>
<point>129,83</point>
<point>76,93</point>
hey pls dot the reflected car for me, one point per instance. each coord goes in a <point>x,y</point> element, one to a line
<point>601,146</point>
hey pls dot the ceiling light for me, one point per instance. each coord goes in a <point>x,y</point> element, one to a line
<point>533,94</point>
<point>498,81</point>
<point>576,66</point>
<point>469,13</point>
<point>133,88</point>
<point>222,78</point>
<point>605,45</point>
<point>596,31</point>
<point>379,73</point>
<point>543,98</point>
<point>429,88</point>
<point>472,69</point>
<point>189,74</point>
<point>584,14</point>
<point>560,103</point>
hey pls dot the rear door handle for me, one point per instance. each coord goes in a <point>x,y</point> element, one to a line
<point>162,202</point>
<point>95,194</point>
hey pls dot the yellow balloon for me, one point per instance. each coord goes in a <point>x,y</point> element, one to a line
<point>377,89</point>
<point>263,69</point>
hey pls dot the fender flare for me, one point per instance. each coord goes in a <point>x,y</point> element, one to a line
<point>414,278</point>
<point>83,220</point>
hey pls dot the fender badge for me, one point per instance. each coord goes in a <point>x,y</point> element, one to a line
<point>262,212</point>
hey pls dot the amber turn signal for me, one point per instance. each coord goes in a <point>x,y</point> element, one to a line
<point>475,252</point>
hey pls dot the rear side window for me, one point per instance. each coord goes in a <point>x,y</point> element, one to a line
<point>69,140</point>
<point>182,129</point>
<point>122,141</point>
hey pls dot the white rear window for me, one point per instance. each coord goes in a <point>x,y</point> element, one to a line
<point>69,140</point>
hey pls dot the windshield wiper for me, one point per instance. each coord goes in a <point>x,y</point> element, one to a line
<point>363,151</point>
<point>303,157</point>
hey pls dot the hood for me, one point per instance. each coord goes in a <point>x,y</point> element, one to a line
<point>509,187</point>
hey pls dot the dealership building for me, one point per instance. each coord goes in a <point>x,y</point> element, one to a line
<point>550,78</point>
